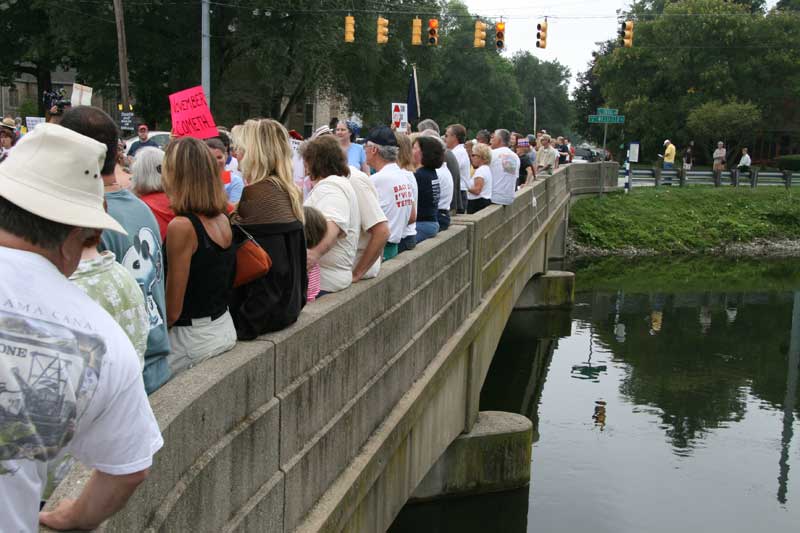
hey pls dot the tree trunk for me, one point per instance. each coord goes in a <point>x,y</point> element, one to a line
<point>44,82</point>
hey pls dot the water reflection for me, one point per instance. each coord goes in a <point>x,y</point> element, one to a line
<point>661,402</point>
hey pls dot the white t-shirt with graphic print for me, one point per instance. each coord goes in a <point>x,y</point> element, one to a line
<point>70,382</point>
<point>396,196</point>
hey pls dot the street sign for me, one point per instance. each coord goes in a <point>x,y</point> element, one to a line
<point>606,119</point>
<point>607,111</point>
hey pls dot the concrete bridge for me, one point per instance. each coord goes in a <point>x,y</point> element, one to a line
<point>331,424</point>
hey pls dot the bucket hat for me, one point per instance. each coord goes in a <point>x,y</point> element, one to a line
<point>54,173</point>
<point>9,124</point>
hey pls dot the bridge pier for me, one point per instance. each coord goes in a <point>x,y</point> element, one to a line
<point>494,456</point>
<point>553,289</point>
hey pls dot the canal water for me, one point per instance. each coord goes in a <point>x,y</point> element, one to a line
<point>666,399</point>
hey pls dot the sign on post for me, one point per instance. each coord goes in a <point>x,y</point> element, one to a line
<point>633,152</point>
<point>400,116</point>
<point>32,122</point>
<point>191,116</point>
<point>126,121</point>
<point>606,119</point>
<point>607,111</point>
<point>81,95</point>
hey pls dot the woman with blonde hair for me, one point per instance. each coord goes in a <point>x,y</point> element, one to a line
<point>479,192</point>
<point>405,160</point>
<point>271,210</point>
<point>201,256</point>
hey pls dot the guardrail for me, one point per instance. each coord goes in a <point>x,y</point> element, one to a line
<point>733,177</point>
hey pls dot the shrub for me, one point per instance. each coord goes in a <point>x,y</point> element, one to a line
<point>788,162</point>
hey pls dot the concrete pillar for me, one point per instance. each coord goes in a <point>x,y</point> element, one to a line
<point>494,456</point>
<point>657,176</point>
<point>553,289</point>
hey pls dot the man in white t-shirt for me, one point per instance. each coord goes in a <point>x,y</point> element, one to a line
<point>374,227</point>
<point>70,380</point>
<point>393,184</point>
<point>505,168</point>
<point>455,136</point>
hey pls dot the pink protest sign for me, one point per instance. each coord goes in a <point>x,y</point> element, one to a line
<point>191,116</point>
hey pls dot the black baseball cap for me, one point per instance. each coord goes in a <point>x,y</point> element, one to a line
<point>382,136</point>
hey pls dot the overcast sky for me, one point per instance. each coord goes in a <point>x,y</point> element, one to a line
<point>570,40</point>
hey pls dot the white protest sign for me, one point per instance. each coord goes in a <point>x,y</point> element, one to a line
<point>32,122</point>
<point>633,152</point>
<point>295,145</point>
<point>81,95</point>
<point>400,116</point>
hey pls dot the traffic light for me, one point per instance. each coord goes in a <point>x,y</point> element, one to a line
<point>627,34</point>
<point>383,30</point>
<point>480,34</point>
<point>500,35</point>
<point>416,32</point>
<point>349,29</point>
<point>433,32</point>
<point>541,35</point>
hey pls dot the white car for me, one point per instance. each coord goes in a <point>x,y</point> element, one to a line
<point>161,138</point>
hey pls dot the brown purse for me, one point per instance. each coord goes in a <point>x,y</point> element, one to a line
<point>252,261</point>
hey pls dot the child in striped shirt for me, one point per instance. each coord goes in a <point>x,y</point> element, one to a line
<point>315,227</point>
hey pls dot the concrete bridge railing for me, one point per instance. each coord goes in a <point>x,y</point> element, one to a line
<point>330,424</point>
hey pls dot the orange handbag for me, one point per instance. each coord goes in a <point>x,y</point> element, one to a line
<point>252,261</point>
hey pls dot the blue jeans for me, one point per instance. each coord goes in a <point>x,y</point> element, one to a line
<point>407,243</point>
<point>667,166</point>
<point>426,230</point>
<point>444,219</point>
<point>156,372</point>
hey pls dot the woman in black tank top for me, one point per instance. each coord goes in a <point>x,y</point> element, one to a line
<point>200,256</point>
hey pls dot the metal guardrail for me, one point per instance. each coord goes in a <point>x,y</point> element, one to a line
<point>680,177</point>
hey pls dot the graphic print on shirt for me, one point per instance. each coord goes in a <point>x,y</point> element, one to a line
<point>509,164</point>
<point>144,261</point>
<point>48,375</point>
<point>403,195</point>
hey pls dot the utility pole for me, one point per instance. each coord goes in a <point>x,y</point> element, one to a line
<point>122,52</point>
<point>205,52</point>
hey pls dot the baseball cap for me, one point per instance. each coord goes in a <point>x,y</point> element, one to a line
<point>54,173</point>
<point>666,142</point>
<point>382,136</point>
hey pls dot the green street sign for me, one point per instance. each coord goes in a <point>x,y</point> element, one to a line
<point>606,111</point>
<point>606,119</point>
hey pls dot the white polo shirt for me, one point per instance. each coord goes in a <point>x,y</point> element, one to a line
<point>445,187</point>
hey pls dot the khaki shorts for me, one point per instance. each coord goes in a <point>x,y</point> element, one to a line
<point>204,339</point>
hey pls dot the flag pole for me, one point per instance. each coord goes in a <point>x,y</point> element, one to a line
<point>416,90</point>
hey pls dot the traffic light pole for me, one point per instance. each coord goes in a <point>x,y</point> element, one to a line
<point>122,52</point>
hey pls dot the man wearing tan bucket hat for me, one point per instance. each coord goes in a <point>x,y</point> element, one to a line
<point>69,377</point>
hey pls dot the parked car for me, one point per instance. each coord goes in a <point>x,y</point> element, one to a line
<point>161,138</point>
<point>583,155</point>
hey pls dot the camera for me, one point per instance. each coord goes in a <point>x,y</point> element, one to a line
<point>56,99</point>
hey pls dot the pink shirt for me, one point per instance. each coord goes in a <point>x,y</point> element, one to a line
<point>313,283</point>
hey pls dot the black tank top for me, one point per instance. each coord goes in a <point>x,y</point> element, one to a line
<point>211,274</point>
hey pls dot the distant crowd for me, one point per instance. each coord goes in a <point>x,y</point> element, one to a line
<point>151,241</point>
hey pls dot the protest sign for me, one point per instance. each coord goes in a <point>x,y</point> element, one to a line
<point>400,116</point>
<point>32,122</point>
<point>191,116</point>
<point>81,95</point>
<point>295,145</point>
<point>126,120</point>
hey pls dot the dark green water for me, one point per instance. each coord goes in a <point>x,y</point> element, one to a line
<point>662,404</point>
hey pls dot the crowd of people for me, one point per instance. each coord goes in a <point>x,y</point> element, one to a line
<point>120,267</point>
<point>719,157</point>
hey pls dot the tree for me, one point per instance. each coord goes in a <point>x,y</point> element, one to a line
<point>30,46</point>
<point>730,121</point>
<point>548,82</point>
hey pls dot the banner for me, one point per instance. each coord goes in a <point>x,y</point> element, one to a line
<point>400,116</point>
<point>126,120</point>
<point>81,95</point>
<point>191,116</point>
<point>32,122</point>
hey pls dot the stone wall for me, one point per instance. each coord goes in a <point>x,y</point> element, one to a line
<point>330,424</point>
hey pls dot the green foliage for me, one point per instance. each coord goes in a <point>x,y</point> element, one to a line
<point>687,220</point>
<point>789,162</point>
<point>699,52</point>
<point>715,119</point>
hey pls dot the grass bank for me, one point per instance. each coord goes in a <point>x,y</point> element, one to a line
<point>696,274</point>
<point>672,220</point>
